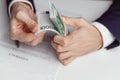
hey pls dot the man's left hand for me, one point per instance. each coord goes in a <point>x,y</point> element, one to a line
<point>85,38</point>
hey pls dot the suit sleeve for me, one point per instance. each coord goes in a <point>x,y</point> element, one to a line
<point>111,19</point>
<point>10,2</point>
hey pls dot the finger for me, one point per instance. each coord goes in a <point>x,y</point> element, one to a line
<point>14,24</point>
<point>63,41</point>
<point>68,60</point>
<point>38,39</point>
<point>55,46</point>
<point>65,55</point>
<point>59,48</point>
<point>32,25</point>
<point>33,43</point>
<point>24,37</point>
<point>18,34</point>
<point>59,40</point>
<point>70,21</point>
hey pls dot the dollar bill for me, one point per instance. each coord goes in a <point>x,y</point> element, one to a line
<point>51,21</point>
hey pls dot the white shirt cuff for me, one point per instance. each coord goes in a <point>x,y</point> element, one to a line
<point>107,36</point>
<point>14,1</point>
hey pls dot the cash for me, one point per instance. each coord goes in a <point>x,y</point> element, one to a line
<point>51,21</point>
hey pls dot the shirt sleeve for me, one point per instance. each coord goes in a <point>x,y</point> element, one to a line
<point>111,20</point>
<point>107,36</point>
<point>14,1</point>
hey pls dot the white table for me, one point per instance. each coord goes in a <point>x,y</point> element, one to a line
<point>101,65</point>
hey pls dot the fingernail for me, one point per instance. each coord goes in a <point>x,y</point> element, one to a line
<point>57,38</point>
<point>65,63</point>
<point>33,43</point>
<point>35,29</point>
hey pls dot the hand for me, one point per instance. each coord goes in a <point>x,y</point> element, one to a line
<point>85,38</point>
<point>24,25</point>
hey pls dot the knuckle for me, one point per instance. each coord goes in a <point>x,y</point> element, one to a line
<point>26,39</point>
<point>65,42</point>
<point>60,57</point>
<point>13,36</point>
<point>18,14</point>
<point>34,43</point>
<point>54,37</point>
<point>59,48</point>
<point>81,19</point>
<point>40,42</point>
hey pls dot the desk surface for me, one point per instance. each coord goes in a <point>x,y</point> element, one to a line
<point>100,65</point>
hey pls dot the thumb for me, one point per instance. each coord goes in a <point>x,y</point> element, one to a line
<point>58,39</point>
<point>31,24</point>
<point>70,21</point>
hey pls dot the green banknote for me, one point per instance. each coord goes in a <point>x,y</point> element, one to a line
<point>51,21</point>
<point>55,17</point>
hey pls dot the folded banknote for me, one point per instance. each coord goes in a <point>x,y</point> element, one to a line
<point>51,21</point>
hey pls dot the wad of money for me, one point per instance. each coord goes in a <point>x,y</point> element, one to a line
<point>51,21</point>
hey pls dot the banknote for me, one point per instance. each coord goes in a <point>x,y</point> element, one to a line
<point>51,21</point>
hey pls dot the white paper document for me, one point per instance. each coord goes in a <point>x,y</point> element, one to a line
<point>24,63</point>
<point>27,63</point>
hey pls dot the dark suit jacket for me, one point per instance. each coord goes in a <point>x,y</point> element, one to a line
<point>8,2</point>
<point>111,19</point>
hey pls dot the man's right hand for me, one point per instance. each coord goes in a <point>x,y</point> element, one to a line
<point>24,25</point>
